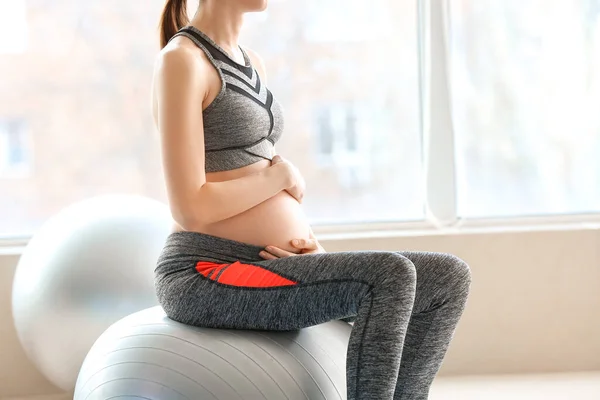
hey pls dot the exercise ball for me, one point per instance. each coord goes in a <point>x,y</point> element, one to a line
<point>149,356</point>
<point>84,269</point>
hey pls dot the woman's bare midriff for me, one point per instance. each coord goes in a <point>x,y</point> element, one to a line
<point>275,221</point>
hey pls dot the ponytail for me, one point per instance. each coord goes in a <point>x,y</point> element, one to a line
<point>174,18</point>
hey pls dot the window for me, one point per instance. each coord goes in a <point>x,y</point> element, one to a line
<point>509,101</point>
<point>337,147</point>
<point>85,89</point>
<point>350,88</point>
<point>525,78</point>
<point>15,157</point>
<point>361,21</point>
<point>13,26</point>
<point>337,130</point>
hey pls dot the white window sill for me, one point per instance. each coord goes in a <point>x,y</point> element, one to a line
<point>334,233</point>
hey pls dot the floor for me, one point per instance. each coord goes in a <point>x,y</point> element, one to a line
<point>580,386</point>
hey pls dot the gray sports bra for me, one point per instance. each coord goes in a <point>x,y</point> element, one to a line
<point>244,121</point>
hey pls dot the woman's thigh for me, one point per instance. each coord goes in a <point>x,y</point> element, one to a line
<point>284,293</point>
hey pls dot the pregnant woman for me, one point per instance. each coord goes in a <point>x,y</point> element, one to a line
<point>242,254</point>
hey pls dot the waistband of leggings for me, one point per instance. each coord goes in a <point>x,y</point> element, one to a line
<point>203,244</point>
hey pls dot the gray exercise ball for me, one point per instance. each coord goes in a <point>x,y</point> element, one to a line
<point>149,356</point>
<point>84,269</point>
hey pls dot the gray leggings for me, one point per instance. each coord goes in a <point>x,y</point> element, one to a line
<point>405,305</point>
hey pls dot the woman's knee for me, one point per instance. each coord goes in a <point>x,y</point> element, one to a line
<point>459,274</point>
<point>400,271</point>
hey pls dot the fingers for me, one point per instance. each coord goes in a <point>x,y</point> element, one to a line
<point>267,256</point>
<point>295,194</point>
<point>310,244</point>
<point>272,252</point>
<point>276,251</point>
<point>298,197</point>
<point>298,193</point>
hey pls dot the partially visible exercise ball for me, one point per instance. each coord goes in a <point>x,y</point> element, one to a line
<point>84,269</point>
<point>149,356</point>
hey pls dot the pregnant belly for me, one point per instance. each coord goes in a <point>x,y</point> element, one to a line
<point>275,222</point>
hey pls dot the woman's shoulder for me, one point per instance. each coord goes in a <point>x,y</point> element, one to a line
<point>180,47</point>
<point>179,54</point>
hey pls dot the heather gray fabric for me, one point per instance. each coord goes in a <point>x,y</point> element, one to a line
<point>244,121</point>
<point>406,305</point>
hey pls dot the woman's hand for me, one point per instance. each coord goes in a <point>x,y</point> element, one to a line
<point>297,185</point>
<point>306,246</point>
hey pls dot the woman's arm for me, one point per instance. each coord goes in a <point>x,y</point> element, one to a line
<point>181,85</point>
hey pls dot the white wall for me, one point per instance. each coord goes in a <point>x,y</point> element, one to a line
<point>534,305</point>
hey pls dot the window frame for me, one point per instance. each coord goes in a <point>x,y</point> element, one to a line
<point>439,153</point>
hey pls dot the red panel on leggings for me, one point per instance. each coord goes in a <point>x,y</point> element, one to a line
<point>238,274</point>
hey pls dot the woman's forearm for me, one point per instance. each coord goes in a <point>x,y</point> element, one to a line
<point>217,201</point>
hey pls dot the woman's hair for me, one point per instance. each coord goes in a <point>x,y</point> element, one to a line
<point>174,17</point>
